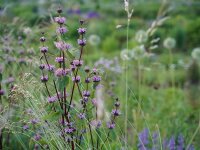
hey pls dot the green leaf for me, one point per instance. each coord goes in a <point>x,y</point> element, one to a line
<point>62,82</point>
<point>70,55</point>
<point>52,116</point>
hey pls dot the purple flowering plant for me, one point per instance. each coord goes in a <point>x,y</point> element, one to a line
<point>70,89</point>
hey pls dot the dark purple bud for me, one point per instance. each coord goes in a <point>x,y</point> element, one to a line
<point>2,92</point>
<point>87,69</point>
<point>42,39</point>
<point>44,49</point>
<point>37,137</point>
<point>81,42</point>
<point>87,80</point>
<point>111,125</point>
<point>44,78</point>
<point>81,115</point>
<point>96,78</point>
<point>115,112</point>
<point>86,93</point>
<point>42,66</point>
<point>77,79</point>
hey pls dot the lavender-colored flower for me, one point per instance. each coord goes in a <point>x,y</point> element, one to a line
<point>42,66</point>
<point>50,67</point>
<point>60,20</point>
<point>180,145</point>
<point>22,60</point>
<point>165,144</point>
<point>62,45</point>
<point>59,72</point>
<point>59,59</point>
<point>111,125</point>
<point>61,30</point>
<point>77,62</point>
<point>2,92</point>
<point>155,141</point>
<point>191,147</point>
<point>86,93</point>
<point>77,79</point>
<point>34,121</point>
<point>96,123</point>
<point>172,144</point>
<point>72,67</point>
<point>70,130</point>
<point>115,112</point>
<point>143,139</point>
<point>37,137</point>
<point>44,49</point>
<point>85,99</point>
<point>96,78</point>
<point>81,115</point>
<point>91,15</point>
<point>94,101</point>
<point>81,31</point>
<point>44,78</point>
<point>82,42</point>
<point>52,99</point>
<point>26,127</point>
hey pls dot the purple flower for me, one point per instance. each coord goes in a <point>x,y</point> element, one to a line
<point>85,99</point>
<point>77,62</point>
<point>77,79</point>
<point>60,20</point>
<point>191,147</point>
<point>25,127</point>
<point>81,115</point>
<point>87,80</point>
<point>70,130</point>
<point>61,30</point>
<point>34,121</point>
<point>52,99</point>
<point>96,123</point>
<point>37,137</point>
<point>42,66</point>
<point>50,67</point>
<point>96,78</point>
<point>172,144</point>
<point>86,93</point>
<point>61,72</point>
<point>21,60</point>
<point>115,112</point>
<point>81,31</point>
<point>44,49</point>
<point>94,102</point>
<point>59,59</point>
<point>82,42</point>
<point>44,78</point>
<point>2,92</point>
<point>111,125</point>
<point>91,15</point>
<point>62,45</point>
<point>180,145</point>
<point>143,139</point>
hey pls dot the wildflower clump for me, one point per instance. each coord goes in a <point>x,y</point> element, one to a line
<point>70,86</point>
